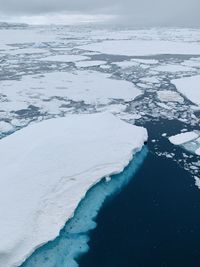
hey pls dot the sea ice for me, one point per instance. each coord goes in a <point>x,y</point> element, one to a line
<point>169,96</point>
<point>65,58</point>
<point>91,63</point>
<point>89,86</point>
<point>190,87</point>
<point>143,47</point>
<point>182,138</point>
<point>47,168</point>
<point>126,64</point>
<point>173,68</point>
<point>73,239</point>
<point>190,141</point>
<point>5,127</point>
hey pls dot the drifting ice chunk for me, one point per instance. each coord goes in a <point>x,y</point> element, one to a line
<point>5,127</point>
<point>169,96</point>
<point>65,58</point>
<point>94,63</point>
<point>182,138</point>
<point>188,140</point>
<point>172,68</point>
<point>190,87</point>
<point>198,151</point>
<point>47,168</point>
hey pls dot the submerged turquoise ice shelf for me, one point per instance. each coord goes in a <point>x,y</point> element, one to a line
<point>74,237</point>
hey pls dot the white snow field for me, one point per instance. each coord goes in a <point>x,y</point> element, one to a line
<point>143,47</point>
<point>189,87</point>
<point>47,168</point>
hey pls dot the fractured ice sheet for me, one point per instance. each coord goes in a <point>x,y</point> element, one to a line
<point>89,86</point>
<point>190,87</point>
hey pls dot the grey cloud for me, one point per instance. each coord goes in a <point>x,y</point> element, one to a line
<point>134,12</point>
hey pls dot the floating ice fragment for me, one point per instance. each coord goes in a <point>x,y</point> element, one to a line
<point>189,87</point>
<point>169,96</point>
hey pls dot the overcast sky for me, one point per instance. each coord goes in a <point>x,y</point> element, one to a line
<point>134,12</point>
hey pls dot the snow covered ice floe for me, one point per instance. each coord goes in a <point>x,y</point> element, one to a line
<point>188,140</point>
<point>189,87</point>
<point>169,96</point>
<point>65,58</point>
<point>47,168</point>
<point>90,63</point>
<point>143,47</point>
<point>172,68</point>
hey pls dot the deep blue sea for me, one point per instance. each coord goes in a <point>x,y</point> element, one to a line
<point>155,220</point>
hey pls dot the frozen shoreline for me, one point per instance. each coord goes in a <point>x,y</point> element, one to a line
<point>34,186</point>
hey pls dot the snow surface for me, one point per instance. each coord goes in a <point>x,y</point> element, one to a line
<point>90,63</point>
<point>47,168</point>
<point>190,87</point>
<point>169,96</point>
<point>65,58</point>
<point>172,68</point>
<point>143,47</point>
<point>5,127</point>
<point>182,138</point>
<point>89,86</point>
<point>126,64</point>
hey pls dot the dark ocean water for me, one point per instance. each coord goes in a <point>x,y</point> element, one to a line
<point>155,220</point>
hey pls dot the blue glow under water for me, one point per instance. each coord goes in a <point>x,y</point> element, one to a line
<point>73,239</point>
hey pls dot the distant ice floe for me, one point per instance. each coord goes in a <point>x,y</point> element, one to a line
<point>151,80</point>
<point>193,62</point>
<point>126,64</point>
<point>91,63</point>
<point>5,127</point>
<point>189,87</point>
<point>169,96</point>
<point>143,47</point>
<point>65,58</point>
<point>47,168</point>
<point>188,140</point>
<point>172,68</point>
